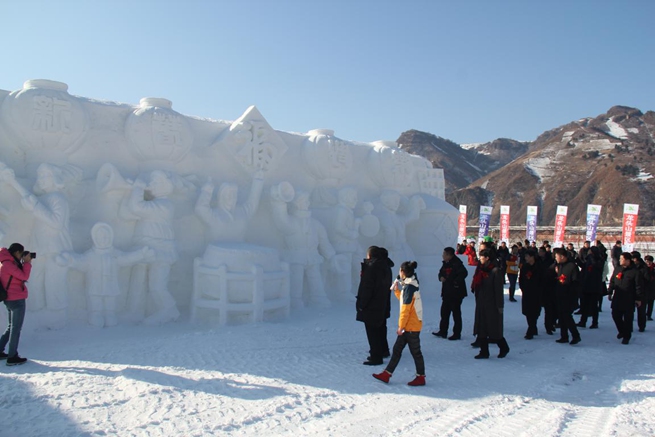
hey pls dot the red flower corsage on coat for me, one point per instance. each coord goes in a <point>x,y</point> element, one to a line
<point>619,275</point>
<point>562,279</point>
<point>528,275</point>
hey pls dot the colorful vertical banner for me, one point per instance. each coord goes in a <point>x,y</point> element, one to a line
<point>485,218</point>
<point>461,224</point>
<point>531,224</point>
<point>504,223</point>
<point>630,212</point>
<point>593,214</point>
<point>560,226</point>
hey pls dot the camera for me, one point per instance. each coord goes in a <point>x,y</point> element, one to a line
<point>33,254</point>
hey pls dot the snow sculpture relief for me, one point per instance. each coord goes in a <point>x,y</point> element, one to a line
<point>101,264</point>
<point>307,245</point>
<point>153,211</point>
<point>156,132</point>
<point>229,221</point>
<point>253,142</point>
<point>50,236</point>
<point>394,221</point>
<point>389,166</point>
<point>344,231</point>
<point>44,116</point>
<point>108,176</point>
<point>325,156</point>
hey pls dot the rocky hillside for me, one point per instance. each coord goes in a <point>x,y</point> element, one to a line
<point>463,165</point>
<point>606,160</point>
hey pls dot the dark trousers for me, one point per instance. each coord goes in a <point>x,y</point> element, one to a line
<point>377,339</point>
<point>512,284</point>
<point>589,308</point>
<point>550,314</point>
<point>532,324</point>
<point>641,316</point>
<point>623,321</point>
<point>484,345</point>
<point>567,324</point>
<point>412,339</point>
<point>649,308</point>
<point>600,303</point>
<point>454,306</point>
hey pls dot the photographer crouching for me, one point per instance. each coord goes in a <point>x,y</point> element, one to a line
<point>14,272</point>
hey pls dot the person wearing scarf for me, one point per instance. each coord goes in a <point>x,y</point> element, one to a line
<point>489,304</point>
<point>410,323</point>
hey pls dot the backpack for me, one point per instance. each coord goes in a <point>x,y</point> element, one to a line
<point>3,290</point>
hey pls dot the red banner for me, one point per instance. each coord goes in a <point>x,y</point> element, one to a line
<point>504,223</point>
<point>560,226</point>
<point>630,213</point>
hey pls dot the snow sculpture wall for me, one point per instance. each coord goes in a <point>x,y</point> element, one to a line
<point>227,220</point>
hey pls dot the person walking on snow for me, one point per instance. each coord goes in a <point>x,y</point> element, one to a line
<point>410,323</point>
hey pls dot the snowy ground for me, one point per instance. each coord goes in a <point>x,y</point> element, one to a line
<point>304,377</point>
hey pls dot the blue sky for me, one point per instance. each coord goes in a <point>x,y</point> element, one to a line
<point>469,71</point>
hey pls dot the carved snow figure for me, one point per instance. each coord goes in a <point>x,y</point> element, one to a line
<point>50,237</point>
<point>228,222</point>
<point>154,228</point>
<point>307,245</point>
<point>344,232</point>
<point>101,264</point>
<point>393,223</point>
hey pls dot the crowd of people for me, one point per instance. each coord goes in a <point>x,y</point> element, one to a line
<point>560,281</point>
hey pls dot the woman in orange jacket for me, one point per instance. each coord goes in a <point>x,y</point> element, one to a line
<point>410,323</point>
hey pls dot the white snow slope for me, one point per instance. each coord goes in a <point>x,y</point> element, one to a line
<point>304,377</point>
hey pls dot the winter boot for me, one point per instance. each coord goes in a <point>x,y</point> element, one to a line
<point>419,380</point>
<point>3,356</point>
<point>384,376</point>
<point>15,360</point>
<point>484,350</point>
<point>504,348</point>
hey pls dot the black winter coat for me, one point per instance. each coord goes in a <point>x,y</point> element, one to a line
<point>454,272</point>
<point>592,275</point>
<point>489,302</point>
<point>374,294</point>
<point>567,286</point>
<point>532,283</point>
<point>626,287</point>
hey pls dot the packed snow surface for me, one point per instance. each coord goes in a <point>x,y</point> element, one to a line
<point>304,377</point>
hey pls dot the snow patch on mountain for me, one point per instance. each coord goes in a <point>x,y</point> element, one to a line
<point>539,167</point>
<point>616,130</point>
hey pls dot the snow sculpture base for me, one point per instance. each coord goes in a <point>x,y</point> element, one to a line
<point>243,282</point>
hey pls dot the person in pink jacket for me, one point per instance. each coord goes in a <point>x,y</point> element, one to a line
<point>14,272</point>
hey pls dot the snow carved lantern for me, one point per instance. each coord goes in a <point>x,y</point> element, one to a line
<point>42,115</point>
<point>326,157</point>
<point>390,167</point>
<point>157,133</point>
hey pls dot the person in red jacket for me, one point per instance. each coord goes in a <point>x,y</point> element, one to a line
<point>15,270</point>
<point>470,253</point>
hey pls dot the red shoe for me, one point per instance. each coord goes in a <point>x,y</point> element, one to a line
<point>419,380</point>
<point>384,376</point>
